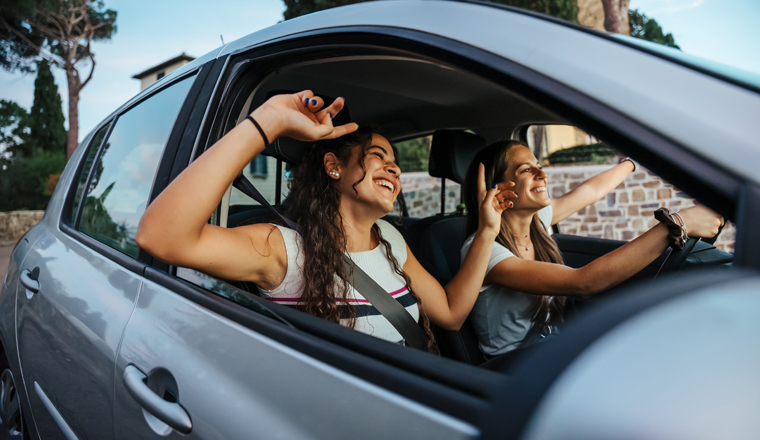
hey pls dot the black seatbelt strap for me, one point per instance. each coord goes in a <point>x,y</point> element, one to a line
<point>394,312</point>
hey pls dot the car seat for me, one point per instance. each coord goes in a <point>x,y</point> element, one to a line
<point>437,241</point>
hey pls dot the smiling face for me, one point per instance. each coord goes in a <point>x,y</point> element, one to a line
<point>378,183</point>
<point>530,180</point>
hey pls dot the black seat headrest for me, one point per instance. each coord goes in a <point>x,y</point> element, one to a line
<point>290,150</point>
<point>451,153</point>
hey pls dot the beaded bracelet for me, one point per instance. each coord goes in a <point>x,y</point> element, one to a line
<point>676,233</point>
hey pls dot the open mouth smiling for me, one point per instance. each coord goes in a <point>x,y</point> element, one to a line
<point>386,184</point>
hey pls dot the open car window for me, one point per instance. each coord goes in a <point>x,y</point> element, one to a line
<point>570,156</point>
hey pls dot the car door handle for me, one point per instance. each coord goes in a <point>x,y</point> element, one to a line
<point>29,278</point>
<point>168,412</point>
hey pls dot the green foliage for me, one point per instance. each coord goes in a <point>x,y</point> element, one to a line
<point>297,8</point>
<point>23,180</point>
<point>564,9</point>
<point>28,26</point>
<point>47,131</point>
<point>414,154</point>
<point>597,153</point>
<point>15,129</point>
<point>648,29</point>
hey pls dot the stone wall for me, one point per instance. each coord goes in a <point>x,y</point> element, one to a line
<point>13,225</point>
<point>624,214</point>
<point>422,194</point>
<point>627,211</point>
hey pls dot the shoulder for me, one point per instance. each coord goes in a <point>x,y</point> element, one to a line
<point>498,252</point>
<point>390,233</point>
<point>545,215</point>
<point>394,238</point>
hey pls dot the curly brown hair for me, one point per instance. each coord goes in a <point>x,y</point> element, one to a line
<point>314,203</point>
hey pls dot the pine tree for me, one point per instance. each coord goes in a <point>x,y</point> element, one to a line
<point>47,131</point>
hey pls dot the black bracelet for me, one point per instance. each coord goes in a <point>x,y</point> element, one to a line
<point>261,131</point>
<point>675,232</point>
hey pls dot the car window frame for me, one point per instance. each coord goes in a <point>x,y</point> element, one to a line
<point>323,340</point>
<point>69,227</point>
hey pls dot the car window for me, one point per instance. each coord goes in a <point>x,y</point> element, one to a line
<point>122,178</point>
<point>422,193</point>
<point>262,173</point>
<point>570,156</point>
<point>92,151</point>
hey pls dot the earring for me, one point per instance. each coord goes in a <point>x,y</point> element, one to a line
<point>334,174</point>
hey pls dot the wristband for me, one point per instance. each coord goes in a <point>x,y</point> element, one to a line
<point>261,131</point>
<point>676,234</point>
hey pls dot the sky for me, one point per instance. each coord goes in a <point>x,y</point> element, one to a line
<point>151,32</point>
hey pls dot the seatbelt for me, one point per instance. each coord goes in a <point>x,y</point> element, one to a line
<point>394,312</point>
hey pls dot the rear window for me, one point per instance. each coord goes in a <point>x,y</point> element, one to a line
<point>121,179</point>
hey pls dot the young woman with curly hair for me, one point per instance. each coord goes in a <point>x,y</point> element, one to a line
<point>526,281</point>
<point>347,181</point>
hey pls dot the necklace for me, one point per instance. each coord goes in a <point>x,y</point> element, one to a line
<point>523,245</point>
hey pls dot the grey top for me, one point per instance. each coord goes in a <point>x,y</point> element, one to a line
<point>501,316</point>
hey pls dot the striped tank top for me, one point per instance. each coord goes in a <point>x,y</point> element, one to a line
<point>373,262</point>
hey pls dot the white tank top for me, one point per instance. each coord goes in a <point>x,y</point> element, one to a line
<point>373,262</point>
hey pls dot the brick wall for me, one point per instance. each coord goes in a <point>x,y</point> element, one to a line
<point>625,213</point>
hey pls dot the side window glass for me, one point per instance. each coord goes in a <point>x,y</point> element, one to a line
<point>571,156</point>
<point>422,193</point>
<point>262,173</point>
<point>122,178</point>
<point>93,150</point>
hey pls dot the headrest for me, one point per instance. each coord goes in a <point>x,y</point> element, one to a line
<point>290,150</point>
<point>451,153</point>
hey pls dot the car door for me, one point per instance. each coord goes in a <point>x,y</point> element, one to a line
<point>79,284</point>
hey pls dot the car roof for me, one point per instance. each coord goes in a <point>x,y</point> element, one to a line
<point>704,113</point>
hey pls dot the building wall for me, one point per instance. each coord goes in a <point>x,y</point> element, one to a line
<point>153,77</point>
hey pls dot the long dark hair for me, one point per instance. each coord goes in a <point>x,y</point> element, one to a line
<point>547,310</point>
<point>314,203</point>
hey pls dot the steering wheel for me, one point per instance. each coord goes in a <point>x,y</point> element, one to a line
<point>676,257</point>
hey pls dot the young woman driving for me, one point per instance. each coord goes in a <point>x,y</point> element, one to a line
<point>347,181</point>
<point>530,288</point>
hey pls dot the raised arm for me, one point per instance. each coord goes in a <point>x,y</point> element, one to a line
<point>448,307</point>
<point>542,278</point>
<point>590,191</point>
<point>175,226</point>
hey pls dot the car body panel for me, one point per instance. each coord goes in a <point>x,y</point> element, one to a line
<point>236,383</point>
<point>684,369</point>
<point>69,331</point>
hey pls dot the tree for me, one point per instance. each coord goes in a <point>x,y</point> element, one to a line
<point>648,29</point>
<point>616,16</point>
<point>14,129</point>
<point>47,131</point>
<point>564,9</point>
<point>61,32</point>
<point>297,8</point>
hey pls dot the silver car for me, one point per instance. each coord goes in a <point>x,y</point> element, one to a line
<point>102,341</point>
